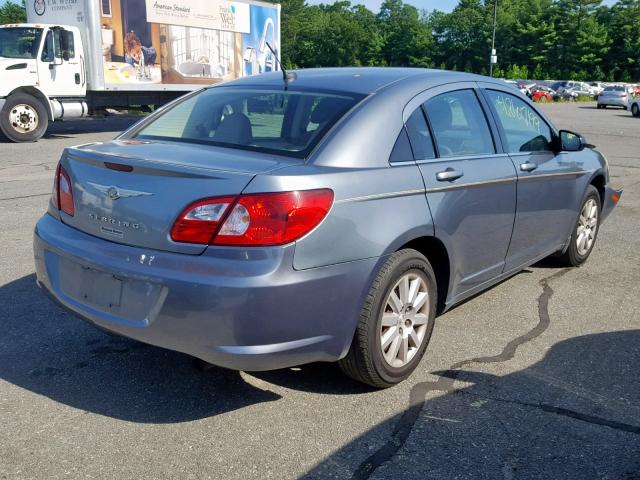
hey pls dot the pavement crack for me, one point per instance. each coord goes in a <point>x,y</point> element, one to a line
<point>565,412</point>
<point>419,391</point>
<point>25,196</point>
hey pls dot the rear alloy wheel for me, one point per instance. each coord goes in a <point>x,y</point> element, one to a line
<point>635,110</point>
<point>23,118</point>
<point>585,231</point>
<point>396,322</point>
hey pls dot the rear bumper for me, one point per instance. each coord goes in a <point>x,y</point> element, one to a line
<point>612,101</point>
<point>240,309</point>
<point>611,199</point>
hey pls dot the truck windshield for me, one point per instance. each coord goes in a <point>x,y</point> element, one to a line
<point>19,42</point>
<point>282,122</point>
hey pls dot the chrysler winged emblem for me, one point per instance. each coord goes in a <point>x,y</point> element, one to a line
<point>115,193</point>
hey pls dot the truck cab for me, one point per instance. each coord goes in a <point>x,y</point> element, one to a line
<point>42,78</point>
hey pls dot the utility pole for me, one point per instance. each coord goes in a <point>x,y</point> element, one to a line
<point>493,58</point>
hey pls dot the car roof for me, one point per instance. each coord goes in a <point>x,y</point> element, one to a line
<point>360,80</point>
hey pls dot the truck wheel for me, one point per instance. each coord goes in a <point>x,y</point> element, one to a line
<point>24,118</point>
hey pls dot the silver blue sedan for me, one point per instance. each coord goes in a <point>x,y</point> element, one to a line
<point>328,215</point>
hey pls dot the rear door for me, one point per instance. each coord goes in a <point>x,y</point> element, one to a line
<point>470,188</point>
<point>546,180</point>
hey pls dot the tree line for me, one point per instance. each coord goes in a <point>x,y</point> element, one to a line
<point>558,39</point>
<point>541,39</point>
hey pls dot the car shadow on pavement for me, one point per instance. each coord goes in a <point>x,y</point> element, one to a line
<point>575,414</point>
<point>48,351</point>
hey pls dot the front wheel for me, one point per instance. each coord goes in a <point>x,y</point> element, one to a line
<point>585,231</point>
<point>395,323</point>
<point>635,110</point>
<point>23,118</point>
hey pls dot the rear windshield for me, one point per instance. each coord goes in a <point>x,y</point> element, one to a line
<point>282,122</point>
<point>614,89</point>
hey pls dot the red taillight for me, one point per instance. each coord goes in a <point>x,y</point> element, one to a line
<point>255,219</point>
<point>62,195</point>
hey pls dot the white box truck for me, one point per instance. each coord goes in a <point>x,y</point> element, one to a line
<point>77,57</point>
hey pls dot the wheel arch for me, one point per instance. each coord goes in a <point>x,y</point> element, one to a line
<point>599,182</point>
<point>436,252</point>
<point>37,93</point>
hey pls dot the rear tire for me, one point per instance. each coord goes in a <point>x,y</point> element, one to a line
<point>585,231</point>
<point>635,110</point>
<point>23,118</point>
<point>404,294</point>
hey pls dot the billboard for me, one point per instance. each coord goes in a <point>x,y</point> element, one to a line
<point>186,42</point>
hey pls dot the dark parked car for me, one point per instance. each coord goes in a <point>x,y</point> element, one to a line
<point>333,227</point>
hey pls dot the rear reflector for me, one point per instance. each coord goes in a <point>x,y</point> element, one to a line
<point>254,220</point>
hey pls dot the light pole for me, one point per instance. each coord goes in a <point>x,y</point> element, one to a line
<point>493,58</point>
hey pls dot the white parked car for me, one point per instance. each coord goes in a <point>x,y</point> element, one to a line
<point>615,96</point>
<point>597,87</point>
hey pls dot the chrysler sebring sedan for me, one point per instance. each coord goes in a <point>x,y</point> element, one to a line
<point>323,215</point>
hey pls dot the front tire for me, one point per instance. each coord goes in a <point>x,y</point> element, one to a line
<point>395,323</point>
<point>23,118</point>
<point>585,231</point>
<point>635,110</point>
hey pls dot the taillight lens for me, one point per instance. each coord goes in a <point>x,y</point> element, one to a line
<point>199,221</point>
<point>255,219</point>
<point>62,195</point>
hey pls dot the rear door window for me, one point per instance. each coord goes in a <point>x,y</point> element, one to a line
<point>283,122</point>
<point>459,124</point>
<point>523,128</point>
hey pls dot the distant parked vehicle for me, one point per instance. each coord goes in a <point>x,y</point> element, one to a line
<point>541,93</point>
<point>634,104</point>
<point>581,88</point>
<point>557,86</point>
<point>526,87</point>
<point>517,86</point>
<point>597,87</point>
<point>579,91</point>
<point>615,96</point>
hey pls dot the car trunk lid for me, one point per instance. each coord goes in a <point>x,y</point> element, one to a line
<point>131,192</point>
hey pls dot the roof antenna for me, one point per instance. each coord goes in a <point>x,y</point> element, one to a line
<point>286,76</point>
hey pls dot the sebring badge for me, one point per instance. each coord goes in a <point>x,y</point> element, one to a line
<point>115,193</point>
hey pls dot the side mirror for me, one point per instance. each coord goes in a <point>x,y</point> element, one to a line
<point>571,142</point>
<point>65,56</point>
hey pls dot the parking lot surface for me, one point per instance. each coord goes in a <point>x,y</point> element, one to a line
<point>535,378</point>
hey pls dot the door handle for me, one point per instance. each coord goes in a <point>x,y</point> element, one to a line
<point>449,175</point>
<point>528,166</point>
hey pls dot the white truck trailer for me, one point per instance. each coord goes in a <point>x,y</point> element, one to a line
<point>78,57</point>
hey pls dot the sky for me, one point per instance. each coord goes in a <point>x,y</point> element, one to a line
<point>444,5</point>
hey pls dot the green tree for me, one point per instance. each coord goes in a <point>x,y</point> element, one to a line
<point>12,13</point>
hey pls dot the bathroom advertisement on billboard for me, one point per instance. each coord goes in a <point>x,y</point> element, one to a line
<point>186,42</point>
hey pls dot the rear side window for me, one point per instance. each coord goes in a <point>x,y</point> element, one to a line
<point>459,124</point>
<point>283,122</point>
<point>420,137</point>
<point>524,129</point>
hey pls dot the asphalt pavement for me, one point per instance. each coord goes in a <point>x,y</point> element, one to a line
<point>537,378</point>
